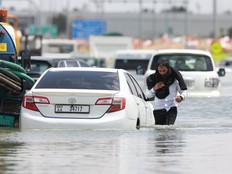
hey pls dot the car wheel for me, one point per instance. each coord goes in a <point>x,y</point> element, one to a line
<point>138,124</point>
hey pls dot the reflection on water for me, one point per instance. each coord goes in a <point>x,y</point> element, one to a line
<point>168,141</point>
<point>199,142</point>
<point>170,149</point>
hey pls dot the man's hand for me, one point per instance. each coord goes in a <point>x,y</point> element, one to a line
<point>158,85</point>
<point>179,99</point>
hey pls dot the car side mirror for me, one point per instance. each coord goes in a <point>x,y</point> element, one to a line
<point>221,72</point>
<point>140,70</point>
<point>26,59</point>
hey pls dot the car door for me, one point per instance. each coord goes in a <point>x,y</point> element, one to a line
<point>143,106</point>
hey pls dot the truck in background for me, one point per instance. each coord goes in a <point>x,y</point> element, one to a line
<point>13,78</point>
<point>105,46</point>
<point>60,48</point>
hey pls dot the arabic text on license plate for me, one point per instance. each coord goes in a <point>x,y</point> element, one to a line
<point>72,109</point>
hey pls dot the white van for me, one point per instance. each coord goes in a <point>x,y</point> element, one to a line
<point>131,59</point>
<point>60,48</point>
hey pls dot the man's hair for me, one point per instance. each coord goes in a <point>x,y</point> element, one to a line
<point>163,62</point>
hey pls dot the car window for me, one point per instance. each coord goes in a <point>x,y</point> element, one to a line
<point>130,64</point>
<point>68,63</point>
<point>138,88</point>
<point>72,63</point>
<point>83,64</point>
<point>91,61</point>
<point>186,62</point>
<point>39,66</point>
<point>134,86</point>
<point>80,80</point>
<point>61,64</point>
<point>131,85</point>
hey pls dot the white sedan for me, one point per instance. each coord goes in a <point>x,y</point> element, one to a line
<point>85,98</point>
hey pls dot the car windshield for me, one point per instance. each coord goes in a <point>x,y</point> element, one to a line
<point>80,80</point>
<point>185,62</point>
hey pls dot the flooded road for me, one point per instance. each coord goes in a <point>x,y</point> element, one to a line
<point>199,142</point>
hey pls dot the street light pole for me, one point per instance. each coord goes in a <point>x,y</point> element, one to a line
<point>186,22</point>
<point>140,20</point>
<point>154,19</point>
<point>215,19</point>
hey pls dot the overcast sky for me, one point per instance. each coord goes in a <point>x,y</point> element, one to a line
<point>195,6</point>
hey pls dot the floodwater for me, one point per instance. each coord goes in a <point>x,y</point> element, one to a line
<point>198,143</point>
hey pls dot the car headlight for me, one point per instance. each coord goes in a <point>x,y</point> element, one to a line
<point>212,82</point>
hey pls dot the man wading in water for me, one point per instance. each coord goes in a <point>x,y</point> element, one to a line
<point>168,88</point>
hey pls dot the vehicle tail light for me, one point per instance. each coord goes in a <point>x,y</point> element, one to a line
<point>30,101</point>
<point>117,104</point>
<point>212,82</point>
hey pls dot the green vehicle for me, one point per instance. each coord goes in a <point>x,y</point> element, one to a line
<point>13,80</point>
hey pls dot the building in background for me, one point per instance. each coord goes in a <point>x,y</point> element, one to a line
<point>148,26</point>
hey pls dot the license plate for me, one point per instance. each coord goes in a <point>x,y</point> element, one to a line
<point>6,121</point>
<point>3,47</point>
<point>72,109</point>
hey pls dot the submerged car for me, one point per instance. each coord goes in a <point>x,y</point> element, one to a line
<point>196,66</point>
<point>85,98</point>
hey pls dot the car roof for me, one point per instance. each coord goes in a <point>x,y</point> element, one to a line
<point>87,69</point>
<point>183,51</point>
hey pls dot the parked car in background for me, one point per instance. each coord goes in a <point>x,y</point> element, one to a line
<point>85,98</point>
<point>196,66</point>
<point>39,64</point>
<point>131,59</point>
